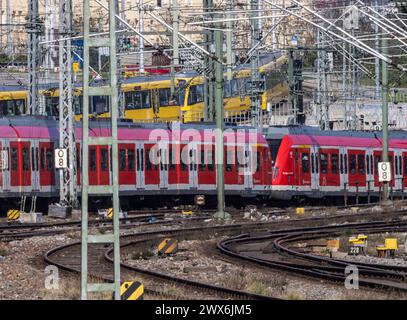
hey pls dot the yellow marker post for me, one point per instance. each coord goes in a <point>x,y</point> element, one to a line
<point>131,290</point>
<point>13,215</point>
<point>109,213</point>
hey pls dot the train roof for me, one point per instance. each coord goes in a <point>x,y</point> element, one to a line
<point>46,127</point>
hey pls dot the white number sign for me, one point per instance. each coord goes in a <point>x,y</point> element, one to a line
<point>384,172</point>
<point>61,161</point>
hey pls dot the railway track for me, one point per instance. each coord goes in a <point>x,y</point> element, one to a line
<point>67,257</point>
<point>274,250</point>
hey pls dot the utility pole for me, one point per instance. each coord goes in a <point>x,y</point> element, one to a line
<point>175,44</point>
<point>8,29</point>
<point>33,29</point>
<point>256,83</point>
<point>67,179</point>
<point>209,65</point>
<point>49,37</point>
<point>141,40</point>
<point>229,40</point>
<point>112,189</point>
<point>385,114</point>
<point>220,126</point>
<point>377,60</point>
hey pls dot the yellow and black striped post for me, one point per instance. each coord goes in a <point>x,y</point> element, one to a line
<point>168,246</point>
<point>13,215</point>
<point>131,290</point>
<point>109,213</point>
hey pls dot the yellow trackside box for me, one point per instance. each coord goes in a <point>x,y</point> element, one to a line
<point>13,215</point>
<point>390,244</point>
<point>300,210</point>
<point>167,246</point>
<point>131,291</point>
<point>333,244</point>
<point>109,213</point>
<point>187,212</point>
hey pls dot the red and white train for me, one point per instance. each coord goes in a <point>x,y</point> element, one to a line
<point>282,163</point>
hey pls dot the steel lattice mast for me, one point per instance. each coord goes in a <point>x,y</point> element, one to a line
<point>68,195</point>
<point>33,29</point>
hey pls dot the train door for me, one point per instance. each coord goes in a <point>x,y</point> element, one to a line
<point>152,170</point>
<point>104,165</point>
<point>127,170</point>
<point>248,177</point>
<point>163,154</point>
<point>140,167</point>
<point>20,167</point>
<point>369,170</point>
<point>398,170</point>
<point>405,169</point>
<point>314,168</point>
<point>35,176</point>
<point>46,164</point>
<point>329,175</point>
<point>206,167</point>
<point>5,159</point>
<point>234,165</point>
<point>193,166</point>
<point>303,174</point>
<point>343,167</point>
<point>357,168</point>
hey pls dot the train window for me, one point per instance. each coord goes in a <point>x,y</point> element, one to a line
<point>335,163</point>
<point>341,164</point>
<point>104,159</point>
<point>42,159</point>
<point>305,162</point>
<point>130,159</point>
<point>99,104</point>
<point>352,164</point>
<point>51,106</point>
<point>229,160</point>
<point>135,100</point>
<point>400,166</point>
<point>376,166</point>
<point>258,161</point>
<point>195,94</point>
<point>26,159</point>
<point>149,165</point>
<point>32,158</point>
<point>171,159</point>
<point>78,159</point>
<point>14,159</point>
<point>50,159</point>
<point>405,166</point>
<point>396,166</point>
<point>202,164</point>
<point>323,162</point>
<point>316,163</point>
<point>92,159</point>
<point>361,164</point>
<point>165,97</point>
<point>367,164</point>
<point>313,163</point>
<point>211,165</point>
<point>122,159</point>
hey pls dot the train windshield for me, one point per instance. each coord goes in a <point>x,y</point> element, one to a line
<point>12,107</point>
<point>195,94</point>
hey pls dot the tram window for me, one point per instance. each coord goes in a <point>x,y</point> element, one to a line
<point>130,159</point>
<point>305,162</point>
<point>122,159</point>
<point>26,159</point>
<point>100,104</point>
<point>180,95</point>
<point>226,89</point>
<point>195,94</point>
<point>103,159</point>
<point>352,164</point>
<point>335,163</point>
<point>51,106</point>
<point>14,159</point>
<point>323,162</point>
<point>341,163</point>
<point>50,159</point>
<point>361,164</point>
<point>405,166</point>
<point>234,88</point>
<point>92,159</point>
<point>165,97</point>
<point>136,100</point>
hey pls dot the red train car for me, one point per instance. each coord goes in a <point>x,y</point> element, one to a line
<point>183,163</point>
<point>315,164</point>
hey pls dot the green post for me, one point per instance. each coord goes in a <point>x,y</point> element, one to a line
<point>221,214</point>
<point>385,114</point>
<point>291,81</point>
